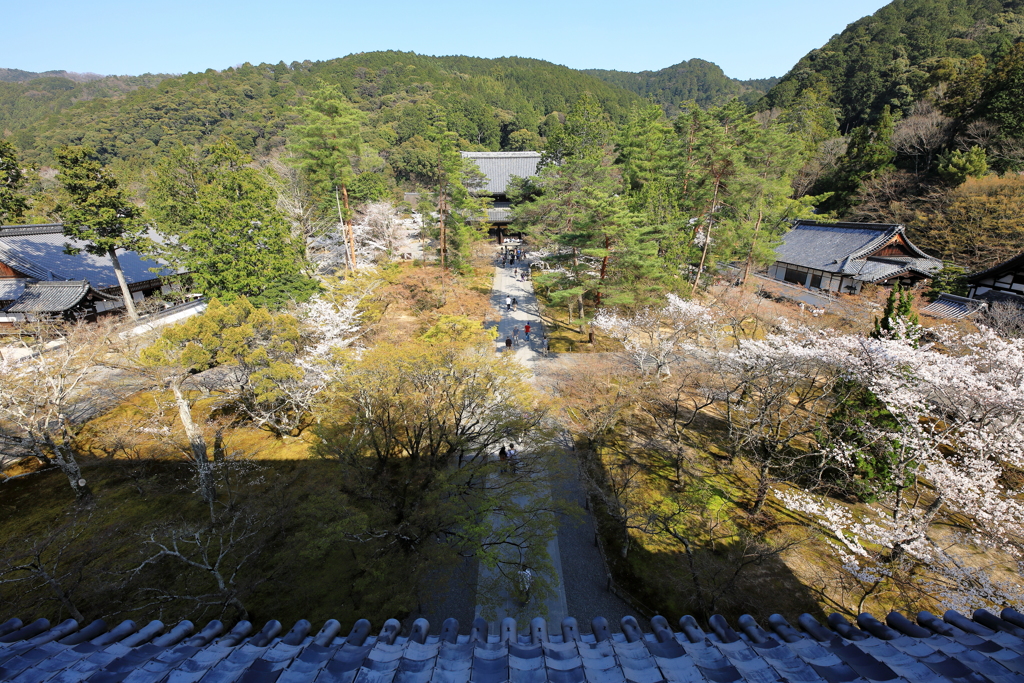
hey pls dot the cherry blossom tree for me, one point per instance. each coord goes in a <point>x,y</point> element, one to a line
<point>653,340</point>
<point>955,528</point>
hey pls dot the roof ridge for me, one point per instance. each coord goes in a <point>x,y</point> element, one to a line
<point>22,230</point>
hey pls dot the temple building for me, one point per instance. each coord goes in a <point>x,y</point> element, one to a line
<point>843,257</point>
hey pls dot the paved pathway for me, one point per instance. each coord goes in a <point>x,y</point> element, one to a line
<point>581,585</point>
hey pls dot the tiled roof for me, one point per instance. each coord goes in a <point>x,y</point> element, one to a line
<point>51,297</point>
<point>11,288</point>
<point>499,167</point>
<point>1013,265</point>
<point>38,252</point>
<point>988,648</point>
<point>846,248</point>
<point>952,307</point>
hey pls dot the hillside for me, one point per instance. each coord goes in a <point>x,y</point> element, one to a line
<point>895,55</point>
<point>19,76</point>
<point>484,101</point>
<point>696,79</point>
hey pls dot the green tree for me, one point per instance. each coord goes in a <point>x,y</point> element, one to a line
<point>327,147</point>
<point>952,279</point>
<point>12,181</point>
<point>97,211</point>
<point>956,167</point>
<point>225,229</point>
<point>869,154</point>
<point>236,334</point>
<point>416,428</point>
<point>898,318</point>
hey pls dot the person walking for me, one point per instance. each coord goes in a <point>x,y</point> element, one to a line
<point>508,303</point>
<point>515,273</point>
<point>545,345</point>
<point>508,343</point>
<point>526,331</point>
<point>515,304</point>
<point>515,335</point>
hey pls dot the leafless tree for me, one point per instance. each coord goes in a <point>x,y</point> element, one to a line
<point>886,198</point>
<point>824,162</point>
<point>206,560</point>
<point>1006,318</point>
<point>294,200</point>
<point>53,566</point>
<point>921,134</point>
<point>718,554</point>
<point>47,396</point>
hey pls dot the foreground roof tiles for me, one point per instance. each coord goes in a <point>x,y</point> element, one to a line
<point>953,648</point>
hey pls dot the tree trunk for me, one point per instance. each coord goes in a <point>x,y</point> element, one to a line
<point>64,458</point>
<point>604,267</point>
<point>197,443</point>
<point>129,303</point>
<point>341,222</point>
<point>707,237</point>
<point>753,245</point>
<point>348,226</point>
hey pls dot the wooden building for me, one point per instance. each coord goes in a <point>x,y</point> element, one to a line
<point>35,254</point>
<point>1004,281</point>
<point>842,257</point>
<point>499,168</point>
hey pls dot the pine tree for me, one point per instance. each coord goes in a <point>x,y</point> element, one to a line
<point>327,146</point>
<point>12,203</point>
<point>96,210</point>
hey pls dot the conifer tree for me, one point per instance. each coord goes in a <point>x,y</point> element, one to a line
<point>327,146</point>
<point>898,318</point>
<point>12,203</point>
<point>225,227</point>
<point>96,210</point>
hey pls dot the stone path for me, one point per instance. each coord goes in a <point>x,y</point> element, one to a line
<point>573,551</point>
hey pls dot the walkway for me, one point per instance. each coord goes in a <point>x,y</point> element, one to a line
<point>573,551</point>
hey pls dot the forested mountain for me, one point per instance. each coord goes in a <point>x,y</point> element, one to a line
<point>28,98</point>
<point>18,76</point>
<point>901,51</point>
<point>483,101</point>
<point>697,80</point>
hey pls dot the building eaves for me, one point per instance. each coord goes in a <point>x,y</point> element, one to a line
<point>1014,264</point>
<point>53,297</point>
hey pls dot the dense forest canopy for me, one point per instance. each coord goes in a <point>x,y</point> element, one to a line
<point>892,57</point>
<point>700,81</point>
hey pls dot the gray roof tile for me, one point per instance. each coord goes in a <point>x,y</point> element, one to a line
<point>957,649</point>
<point>38,251</point>
<point>50,297</point>
<point>499,167</point>
<point>846,248</point>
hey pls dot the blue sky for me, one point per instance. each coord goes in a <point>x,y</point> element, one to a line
<point>747,38</point>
